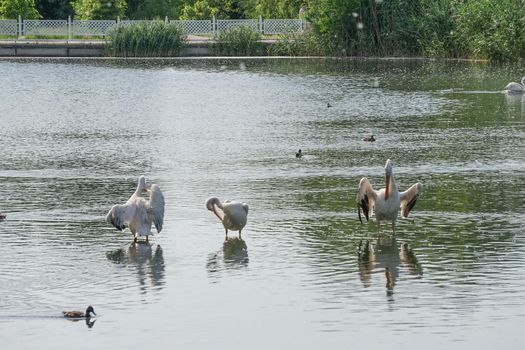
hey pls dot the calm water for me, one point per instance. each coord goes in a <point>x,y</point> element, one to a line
<point>75,136</point>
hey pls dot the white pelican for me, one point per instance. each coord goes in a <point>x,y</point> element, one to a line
<point>516,88</point>
<point>234,214</point>
<point>386,202</point>
<point>138,213</point>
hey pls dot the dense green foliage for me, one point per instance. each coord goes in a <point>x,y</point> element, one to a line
<point>492,29</point>
<point>14,8</point>
<point>488,29</point>
<point>99,9</point>
<point>238,41</point>
<point>297,44</point>
<point>149,39</point>
<point>206,9</point>
<point>150,9</point>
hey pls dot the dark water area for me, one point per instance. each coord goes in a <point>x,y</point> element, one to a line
<point>76,134</point>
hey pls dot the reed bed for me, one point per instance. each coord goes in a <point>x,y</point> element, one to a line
<point>238,41</point>
<point>147,39</point>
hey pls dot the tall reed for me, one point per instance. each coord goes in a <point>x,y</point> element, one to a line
<point>238,41</point>
<point>146,39</point>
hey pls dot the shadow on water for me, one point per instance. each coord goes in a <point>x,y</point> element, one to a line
<point>144,259</point>
<point>385,256</point>
<point>234,254</point>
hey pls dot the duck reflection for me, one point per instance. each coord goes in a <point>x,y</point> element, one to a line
<point>234,254</point>
<point>384,256</point>
<point>90,322</point>
<point>148,262</point>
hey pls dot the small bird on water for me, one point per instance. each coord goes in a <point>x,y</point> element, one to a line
<point>369,139</point>
<point>79,314</point>
<point>2,217</point>
<point>299,154</point>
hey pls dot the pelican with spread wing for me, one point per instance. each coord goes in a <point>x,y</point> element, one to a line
<point>138,213</point>
<point>386,202</point>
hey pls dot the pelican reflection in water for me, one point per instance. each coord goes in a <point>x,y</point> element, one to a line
<point>234,254</point>
<point>146,260</point>
<point>385,257</point>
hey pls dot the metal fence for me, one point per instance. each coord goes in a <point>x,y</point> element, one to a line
<point>100,28</point>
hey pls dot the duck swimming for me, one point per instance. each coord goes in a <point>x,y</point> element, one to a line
<point>299,154</point>
<point>80,314</point>
<point>369,139</point>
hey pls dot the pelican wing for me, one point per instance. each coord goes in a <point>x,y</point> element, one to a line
<point>409,198</point>
<point>235,215</point>
<point>514,87</point>
<point>245,207</point>
<point>155,207</point>
<point>120,215</point>
<point>366,197</point>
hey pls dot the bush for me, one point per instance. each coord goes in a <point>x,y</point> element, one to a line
<point>299,44</point>
<point>238,41</point>
<point>13,8</point>
<point>492,29</point>
<point>147,39</point>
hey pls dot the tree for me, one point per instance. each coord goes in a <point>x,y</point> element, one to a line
<point>99,9</point>
<point>14,8</point>
<point>274,8</point>
<point>150,9</point>
<point>206,9</point>
<point>54,9</point>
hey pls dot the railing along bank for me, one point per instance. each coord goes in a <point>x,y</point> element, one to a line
<point>99,28</point>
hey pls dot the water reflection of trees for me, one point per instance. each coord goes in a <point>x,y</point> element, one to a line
<point>233,254</point>
<point>146,261</point>
<point>385,256</point>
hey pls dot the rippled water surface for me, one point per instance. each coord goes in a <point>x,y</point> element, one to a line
<point>75,136</point>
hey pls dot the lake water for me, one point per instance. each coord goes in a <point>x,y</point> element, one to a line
<point>76,134</point>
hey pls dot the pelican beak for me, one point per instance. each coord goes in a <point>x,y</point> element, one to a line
<point>387,187</point>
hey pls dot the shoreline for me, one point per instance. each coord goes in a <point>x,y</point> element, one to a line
<point>196,48</point>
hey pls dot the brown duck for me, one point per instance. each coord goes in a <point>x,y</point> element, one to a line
<point>79,314</point>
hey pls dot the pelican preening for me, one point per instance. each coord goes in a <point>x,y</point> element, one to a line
<point>233,215</point>
<point>137,213</point>
<point>79,314</point>
<point>515,88</point>
<point>386,202</point>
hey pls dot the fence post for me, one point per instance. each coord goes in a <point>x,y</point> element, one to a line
<point>213,25</point>
<point>166,19</point>
<point>118,21</point>
<point>261,29</point>
<point>19,26</point>
<point>68,27</point>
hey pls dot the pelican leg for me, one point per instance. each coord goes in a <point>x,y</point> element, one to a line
<point>147,238</point>
<point>239,234</point>
<point>134,237</point>
<point>378,229</point>
<point>393,228</point>
<point>226,238</point>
